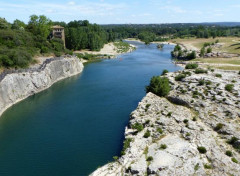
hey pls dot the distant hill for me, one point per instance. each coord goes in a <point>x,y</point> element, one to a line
<point>224,24</point>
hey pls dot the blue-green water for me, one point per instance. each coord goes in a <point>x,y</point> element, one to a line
<point>78,124</point>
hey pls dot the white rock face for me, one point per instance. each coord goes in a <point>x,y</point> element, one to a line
<point>176,131</point>
<point>18,86</point>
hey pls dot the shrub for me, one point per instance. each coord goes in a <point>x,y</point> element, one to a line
<point>209,50</point>
<point>234,160</point>
<point>218,75</point>
<point>177,48</point>
<point>200,71</point>
<point>229,153</point>
<point>164,72</point>
<point>218,127</point>
<point>159,86</point>
<point>115,158</point>
<point>192,55</point>
<point>232,140</point>
<point>160,130</point>
<point>229,87</point>
<point>208,82</point>
<point>185,121</point>
<point>206,166</point>
<point>138,127</point>
<point>126,144</point>
<point>191,66</point>
<point>201,82</point>
<point>180,77</point>
<point>163,146</point>
<point>202,150</point>
<point>239,72</point>
<point>150,158</point>
<point>202,52</point>
<point>147,134</point>
<point>57,54</point>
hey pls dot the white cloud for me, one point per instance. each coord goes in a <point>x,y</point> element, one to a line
<point>71,3</point>
<point>61,10</point>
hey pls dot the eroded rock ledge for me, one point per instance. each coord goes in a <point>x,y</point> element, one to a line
<point>194,131</point>
<point>18,85</point>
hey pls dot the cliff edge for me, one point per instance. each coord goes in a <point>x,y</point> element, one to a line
<point>18,85</point>
<point>193,131</point>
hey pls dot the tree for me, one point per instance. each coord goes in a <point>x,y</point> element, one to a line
<point>4,24</point>
<point>17,24</point>
<point>159,86</point>
<point>39,25</point>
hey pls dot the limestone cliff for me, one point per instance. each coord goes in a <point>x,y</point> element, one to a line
<point>21,84</point>
<point>194,131</point>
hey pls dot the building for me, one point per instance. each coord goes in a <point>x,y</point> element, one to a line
<point>58,32</point>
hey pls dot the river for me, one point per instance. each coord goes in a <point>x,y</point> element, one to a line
<point>78,124</point>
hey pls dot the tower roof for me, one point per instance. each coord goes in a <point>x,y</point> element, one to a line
<point>57,27</point>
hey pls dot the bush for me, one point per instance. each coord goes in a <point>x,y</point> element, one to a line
<point>191,66</point>
<point>57,54</point>
<point>229,153</point>
<point>150,158</point>
<point>160,130</point>
<point>180,77</point>
<point>126,144</point>
<point>159,86</point>
<point>201,82</point>
<point>191,55</point>
<point>200,71</point>
<point>218,127</point>
<point>163,146</point>
<point>138,127</point>
<point>234,160</point>
<point>164,72</point>
<point>206,166</point>
<point>209,50</point>
<point>218,75</point>
<point>147,134</point>
<point>232,140</point>
<point>229,87</point>
<point>202,150</point>
<point>185,121</point>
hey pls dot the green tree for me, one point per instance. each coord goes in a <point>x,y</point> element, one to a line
<point>17,24</point>
<point>4,24</point>
<point>40,25</point>
<point>159,86</point>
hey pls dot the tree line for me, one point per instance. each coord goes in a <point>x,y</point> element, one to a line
<point>163,32</point>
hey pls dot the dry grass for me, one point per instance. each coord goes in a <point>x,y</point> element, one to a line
<point>229,44</point>
<point>228,67</point>
<point>233,61</point>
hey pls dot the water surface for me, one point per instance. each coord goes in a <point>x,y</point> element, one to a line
<point>78,124</point>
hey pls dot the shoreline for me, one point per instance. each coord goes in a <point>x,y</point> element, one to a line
<point>19,85</point>
<point>108,51</point>
<point>179,124</point>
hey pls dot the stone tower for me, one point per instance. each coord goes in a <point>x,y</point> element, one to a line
<point>58,32</point>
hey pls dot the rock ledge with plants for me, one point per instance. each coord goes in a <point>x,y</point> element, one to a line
<point>189,126</point>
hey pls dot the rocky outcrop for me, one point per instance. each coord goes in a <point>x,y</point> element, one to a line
<point>18,85</point>
<point>194,131</point>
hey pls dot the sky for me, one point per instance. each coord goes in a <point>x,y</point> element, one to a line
<point>124,11</point>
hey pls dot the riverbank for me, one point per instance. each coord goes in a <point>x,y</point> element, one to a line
<point>20,84</point>
<point>220,53</point>
<point>110,50</point>
<point>194,130</point>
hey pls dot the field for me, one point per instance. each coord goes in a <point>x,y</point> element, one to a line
<point>227,44</point>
